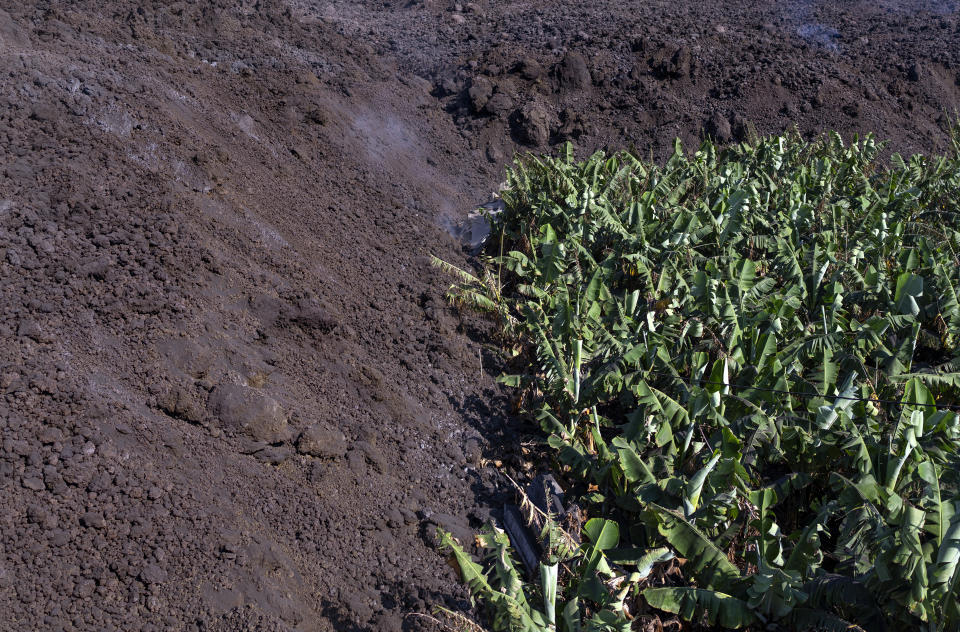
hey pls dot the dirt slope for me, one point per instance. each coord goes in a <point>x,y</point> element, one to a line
<point>232,395</point>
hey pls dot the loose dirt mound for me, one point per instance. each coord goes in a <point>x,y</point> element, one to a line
<point>233,397</point>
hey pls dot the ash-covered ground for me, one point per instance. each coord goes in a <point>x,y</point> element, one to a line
<point>232,396</point>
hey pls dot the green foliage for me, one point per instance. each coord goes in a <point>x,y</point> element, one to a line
<point>520,606</point>
<point>695,604</point>
<point>751,358</point>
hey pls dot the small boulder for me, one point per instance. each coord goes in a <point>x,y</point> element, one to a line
<point>915,72</point>
<point>84,588</point>
<point>181,403</point>
<point>153,574</point>
<point>34,483</point>
<point>359,605</point>
<point>317,116</point>
<point>574,74</point>
<point>676,64</point>
<point>93,519</point>
<point>311,314</point>
<point>250,411</point>
<point>852,109</point>
<point>494,152</point>
<point>473,451</point>
<point>535,122</point>
<point>274,454</point>
<point>322,441</point>
<point>372,455</point>
<point>43,112</point>
<point>499,105</point>
<point>97,267</point>
<point>446,87</point>
<point>480,92</point>
<point>457,526</point>
<point>30,328</point>
<point>50,434</point>
<point>529,68</point>
<point>741,127</point>
<point>572,125</point>
<point>192,357</point>
<point>718,126</point>
<point>682,62</point>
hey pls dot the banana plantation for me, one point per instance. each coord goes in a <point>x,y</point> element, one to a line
<point>746,366</point>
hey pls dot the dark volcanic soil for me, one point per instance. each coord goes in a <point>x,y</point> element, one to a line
<point>231,394</point>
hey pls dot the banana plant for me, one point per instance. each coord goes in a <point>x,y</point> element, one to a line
<point>520,606</point>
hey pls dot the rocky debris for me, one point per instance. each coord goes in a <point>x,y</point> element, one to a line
<point>572,125</point>
<point>534,123</point>
<point>673,63</point>
<point>310,314</point>
<point>718,128</point>
<point>371,455</point>
<point>250,411</point>
<point>633,85</point>
<point>42,516</point>
<point>193,357</point>
<point>473,451</point>
<point>457,526</point>
<point>853,109</point>
<point>494,152</point>
<point>182,403</point>
<point>322,441</point>
<point>307,312</point>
